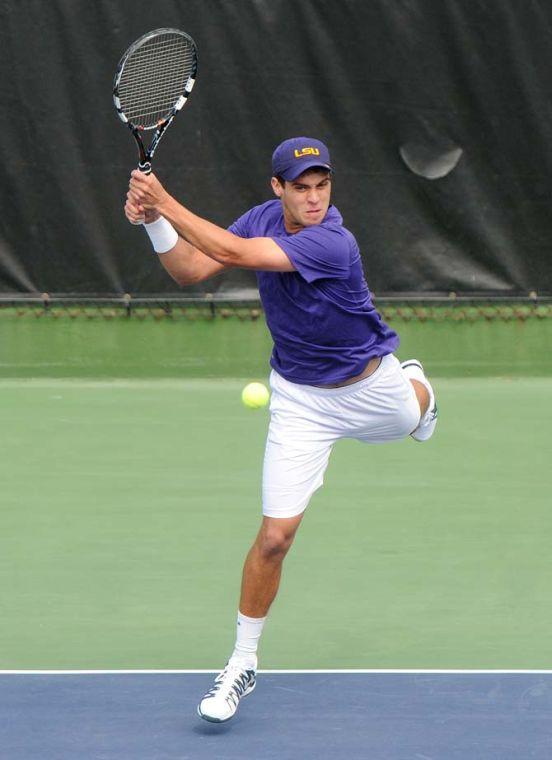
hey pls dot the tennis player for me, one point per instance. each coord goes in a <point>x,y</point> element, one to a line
<point>333,375</point>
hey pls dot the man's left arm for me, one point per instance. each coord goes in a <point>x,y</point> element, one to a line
<point>231,250</point>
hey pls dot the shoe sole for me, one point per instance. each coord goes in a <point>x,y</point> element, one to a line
<point>210,719</point>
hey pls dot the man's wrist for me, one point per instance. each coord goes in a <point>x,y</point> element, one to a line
<point>150,215</point>
<point>167,207</point>
<point>162,234</point>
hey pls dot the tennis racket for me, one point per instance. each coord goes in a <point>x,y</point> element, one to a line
<point>153,81</point>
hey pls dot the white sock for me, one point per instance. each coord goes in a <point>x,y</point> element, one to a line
<point>248,633</point>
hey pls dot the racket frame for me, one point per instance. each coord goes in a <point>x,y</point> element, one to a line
<point>146,154</point>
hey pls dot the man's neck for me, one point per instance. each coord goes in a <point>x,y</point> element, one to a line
<point>291,225</point>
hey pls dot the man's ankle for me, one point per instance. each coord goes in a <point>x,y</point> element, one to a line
<point>248,633</point>
<point>246,661</point>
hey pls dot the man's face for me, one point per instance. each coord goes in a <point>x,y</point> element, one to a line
<point>305,200</point>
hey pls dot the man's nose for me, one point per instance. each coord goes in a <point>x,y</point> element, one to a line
<point>313,196</point>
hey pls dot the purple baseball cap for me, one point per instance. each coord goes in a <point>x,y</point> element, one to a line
<point>294,156</point>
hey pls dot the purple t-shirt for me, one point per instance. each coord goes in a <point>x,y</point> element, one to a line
<point>323,323</point>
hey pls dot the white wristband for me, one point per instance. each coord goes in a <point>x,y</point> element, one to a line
<point>162,234</point>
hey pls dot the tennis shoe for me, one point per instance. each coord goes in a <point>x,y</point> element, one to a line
<point>221,702</point>
<point>414,370</point>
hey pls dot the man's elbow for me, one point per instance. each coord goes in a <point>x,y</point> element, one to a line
<point>188,279</point>
<point>184,278</point>
<point>193,279</point>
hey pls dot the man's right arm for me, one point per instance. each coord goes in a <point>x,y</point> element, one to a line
<point>185,263</point>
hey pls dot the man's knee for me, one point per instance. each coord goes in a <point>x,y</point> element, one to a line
<point>276,536</point>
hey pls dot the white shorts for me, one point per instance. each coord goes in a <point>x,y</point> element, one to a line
<point>306,421</point>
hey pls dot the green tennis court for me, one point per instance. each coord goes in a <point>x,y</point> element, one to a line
<point>128,505</point>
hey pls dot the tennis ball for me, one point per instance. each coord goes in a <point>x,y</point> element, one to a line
<point>255,395</point>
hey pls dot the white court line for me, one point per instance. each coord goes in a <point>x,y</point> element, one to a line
<point>350,671</point>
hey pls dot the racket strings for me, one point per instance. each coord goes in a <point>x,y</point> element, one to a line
<point>159,89</point>
<point>154,77</point>
<point>152,65</point>
<point>156,59</point>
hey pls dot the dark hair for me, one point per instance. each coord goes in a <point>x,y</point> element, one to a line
<point>320,169</point>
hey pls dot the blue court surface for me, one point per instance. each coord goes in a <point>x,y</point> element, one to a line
<point>302,715</point>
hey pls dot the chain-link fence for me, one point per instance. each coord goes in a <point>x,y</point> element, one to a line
<point>415,308</point>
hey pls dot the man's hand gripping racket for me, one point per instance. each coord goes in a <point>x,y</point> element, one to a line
<point>153,81</point>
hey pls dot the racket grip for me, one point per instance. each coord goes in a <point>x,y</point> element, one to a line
<point>143,166</point>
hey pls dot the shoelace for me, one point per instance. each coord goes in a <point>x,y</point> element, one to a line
<point>236,688</point>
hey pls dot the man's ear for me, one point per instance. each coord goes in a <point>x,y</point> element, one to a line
<point>276,187</point>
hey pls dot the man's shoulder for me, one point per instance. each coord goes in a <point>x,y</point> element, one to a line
<point>274,204</point>
<point>258,220</point>
<point>333,221</point>
<point>333,232</point>
<point>268,209</point>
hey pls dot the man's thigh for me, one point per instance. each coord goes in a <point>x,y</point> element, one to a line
<point>292,472</point>
<point>298,448</point>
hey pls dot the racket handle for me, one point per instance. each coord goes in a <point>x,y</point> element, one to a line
<point>143,166</point>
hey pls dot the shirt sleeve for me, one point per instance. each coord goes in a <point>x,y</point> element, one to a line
<point>241,226</point>
<point>318,252</point>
